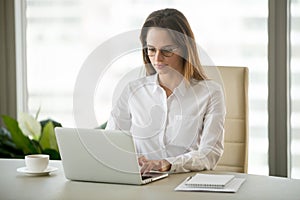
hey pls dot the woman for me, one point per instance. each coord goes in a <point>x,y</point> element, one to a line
<point>175,114</point>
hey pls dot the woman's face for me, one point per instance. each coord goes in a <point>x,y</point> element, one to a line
<point>159,46</point>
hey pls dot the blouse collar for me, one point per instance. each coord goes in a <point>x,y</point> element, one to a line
<point>181,88</point>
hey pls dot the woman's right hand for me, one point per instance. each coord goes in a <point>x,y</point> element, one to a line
<point>148,165</point>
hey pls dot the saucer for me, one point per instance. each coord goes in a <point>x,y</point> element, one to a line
<point>49,169</point>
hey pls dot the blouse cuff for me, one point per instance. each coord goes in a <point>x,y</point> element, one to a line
<point>175,163</point>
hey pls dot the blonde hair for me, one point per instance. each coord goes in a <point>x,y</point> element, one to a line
<point>180,31</point>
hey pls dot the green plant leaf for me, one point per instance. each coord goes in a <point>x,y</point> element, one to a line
<point>8,148</point>
<point>5,138</point>
<point>102,126</point>
<point>48,139</point>
<point>37,113</point>
<point>21,141</point>
<point>54,155</point>
<point>55,123</point>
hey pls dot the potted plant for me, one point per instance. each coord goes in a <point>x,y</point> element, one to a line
<point>28,136</point>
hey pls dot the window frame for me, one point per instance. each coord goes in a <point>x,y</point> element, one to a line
<point>279,88</point>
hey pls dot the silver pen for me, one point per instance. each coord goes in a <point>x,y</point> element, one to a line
<point>188,178</point>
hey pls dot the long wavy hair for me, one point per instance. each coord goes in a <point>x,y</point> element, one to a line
<point>180,31</point>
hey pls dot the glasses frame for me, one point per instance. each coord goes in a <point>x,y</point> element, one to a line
<point>166,52</point>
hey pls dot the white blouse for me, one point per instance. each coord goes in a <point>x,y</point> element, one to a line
<point>186,128</point>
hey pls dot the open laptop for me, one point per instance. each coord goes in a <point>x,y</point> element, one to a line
<point>101,156</point>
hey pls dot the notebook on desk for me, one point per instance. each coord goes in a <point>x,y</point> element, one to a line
<point>209,180</point>
<point>211,183</point>
<point>101,156</point>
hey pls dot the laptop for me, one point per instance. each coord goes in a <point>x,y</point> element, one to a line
<point>97,155</point>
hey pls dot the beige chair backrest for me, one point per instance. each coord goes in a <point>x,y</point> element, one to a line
<point>235,84</point>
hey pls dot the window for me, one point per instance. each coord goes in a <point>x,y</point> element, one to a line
<point>62,33</point>
<point>295,84</point>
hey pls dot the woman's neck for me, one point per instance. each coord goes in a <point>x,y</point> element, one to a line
<point>169,82</point>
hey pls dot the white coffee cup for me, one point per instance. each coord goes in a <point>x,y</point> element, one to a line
<point>36,162</point>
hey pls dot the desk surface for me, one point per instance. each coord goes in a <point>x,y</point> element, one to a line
<point>14,185</point>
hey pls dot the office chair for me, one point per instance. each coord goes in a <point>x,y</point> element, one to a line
<point>235,84</point>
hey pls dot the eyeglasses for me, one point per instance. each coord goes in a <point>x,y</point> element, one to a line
<point>166,51</point>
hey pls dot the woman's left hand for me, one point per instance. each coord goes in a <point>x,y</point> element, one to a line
<point>158,165</point>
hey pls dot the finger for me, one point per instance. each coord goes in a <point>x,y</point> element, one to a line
<point>148,167</point>
<point>143,168</point>
<point>142,160</point>
<point>165,166</point>
<point>155,165</point>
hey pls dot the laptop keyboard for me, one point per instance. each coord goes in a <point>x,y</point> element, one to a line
<point>146,177</point>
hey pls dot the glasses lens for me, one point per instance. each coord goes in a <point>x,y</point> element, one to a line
<point>167,53</point>
<point>151,51</point>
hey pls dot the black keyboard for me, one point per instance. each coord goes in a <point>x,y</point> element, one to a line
<point>146,177</point>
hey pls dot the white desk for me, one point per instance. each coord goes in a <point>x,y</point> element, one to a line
<point>14,185</point>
